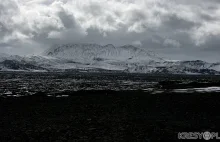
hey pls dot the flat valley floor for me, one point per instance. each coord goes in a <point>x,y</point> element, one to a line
<point>106,107</point>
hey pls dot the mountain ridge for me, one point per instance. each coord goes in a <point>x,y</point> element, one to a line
<point>94,57</point>
<point>91,51</point>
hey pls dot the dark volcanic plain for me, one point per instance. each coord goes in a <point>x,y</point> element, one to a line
<point>106,107</point>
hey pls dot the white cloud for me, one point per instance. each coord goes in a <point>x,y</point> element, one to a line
<point>42,22</point>
<point>201,34</point>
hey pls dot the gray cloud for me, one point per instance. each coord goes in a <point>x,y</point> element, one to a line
<point>31,26</point>
<point>171,42</point>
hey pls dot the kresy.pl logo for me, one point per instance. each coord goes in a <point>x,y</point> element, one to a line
<point>198,135</point>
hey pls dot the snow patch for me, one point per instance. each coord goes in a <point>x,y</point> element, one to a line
<point>199,90</point>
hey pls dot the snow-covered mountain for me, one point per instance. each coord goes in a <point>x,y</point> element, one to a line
<point>94,57</point>
<point>90,52</point>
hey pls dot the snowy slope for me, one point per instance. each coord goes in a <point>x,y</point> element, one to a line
<point>215,66</point>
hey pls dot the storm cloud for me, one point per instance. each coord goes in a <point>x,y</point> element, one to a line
<point>172,27</point>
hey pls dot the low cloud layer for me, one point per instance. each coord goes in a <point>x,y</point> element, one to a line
<point>31,26</point>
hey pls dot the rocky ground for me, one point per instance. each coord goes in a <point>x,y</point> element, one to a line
<point>105,115</point>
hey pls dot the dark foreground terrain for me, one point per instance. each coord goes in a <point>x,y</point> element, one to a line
<point>60,112</point>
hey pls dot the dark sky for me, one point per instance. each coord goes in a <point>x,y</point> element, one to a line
<point>176,29</point>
